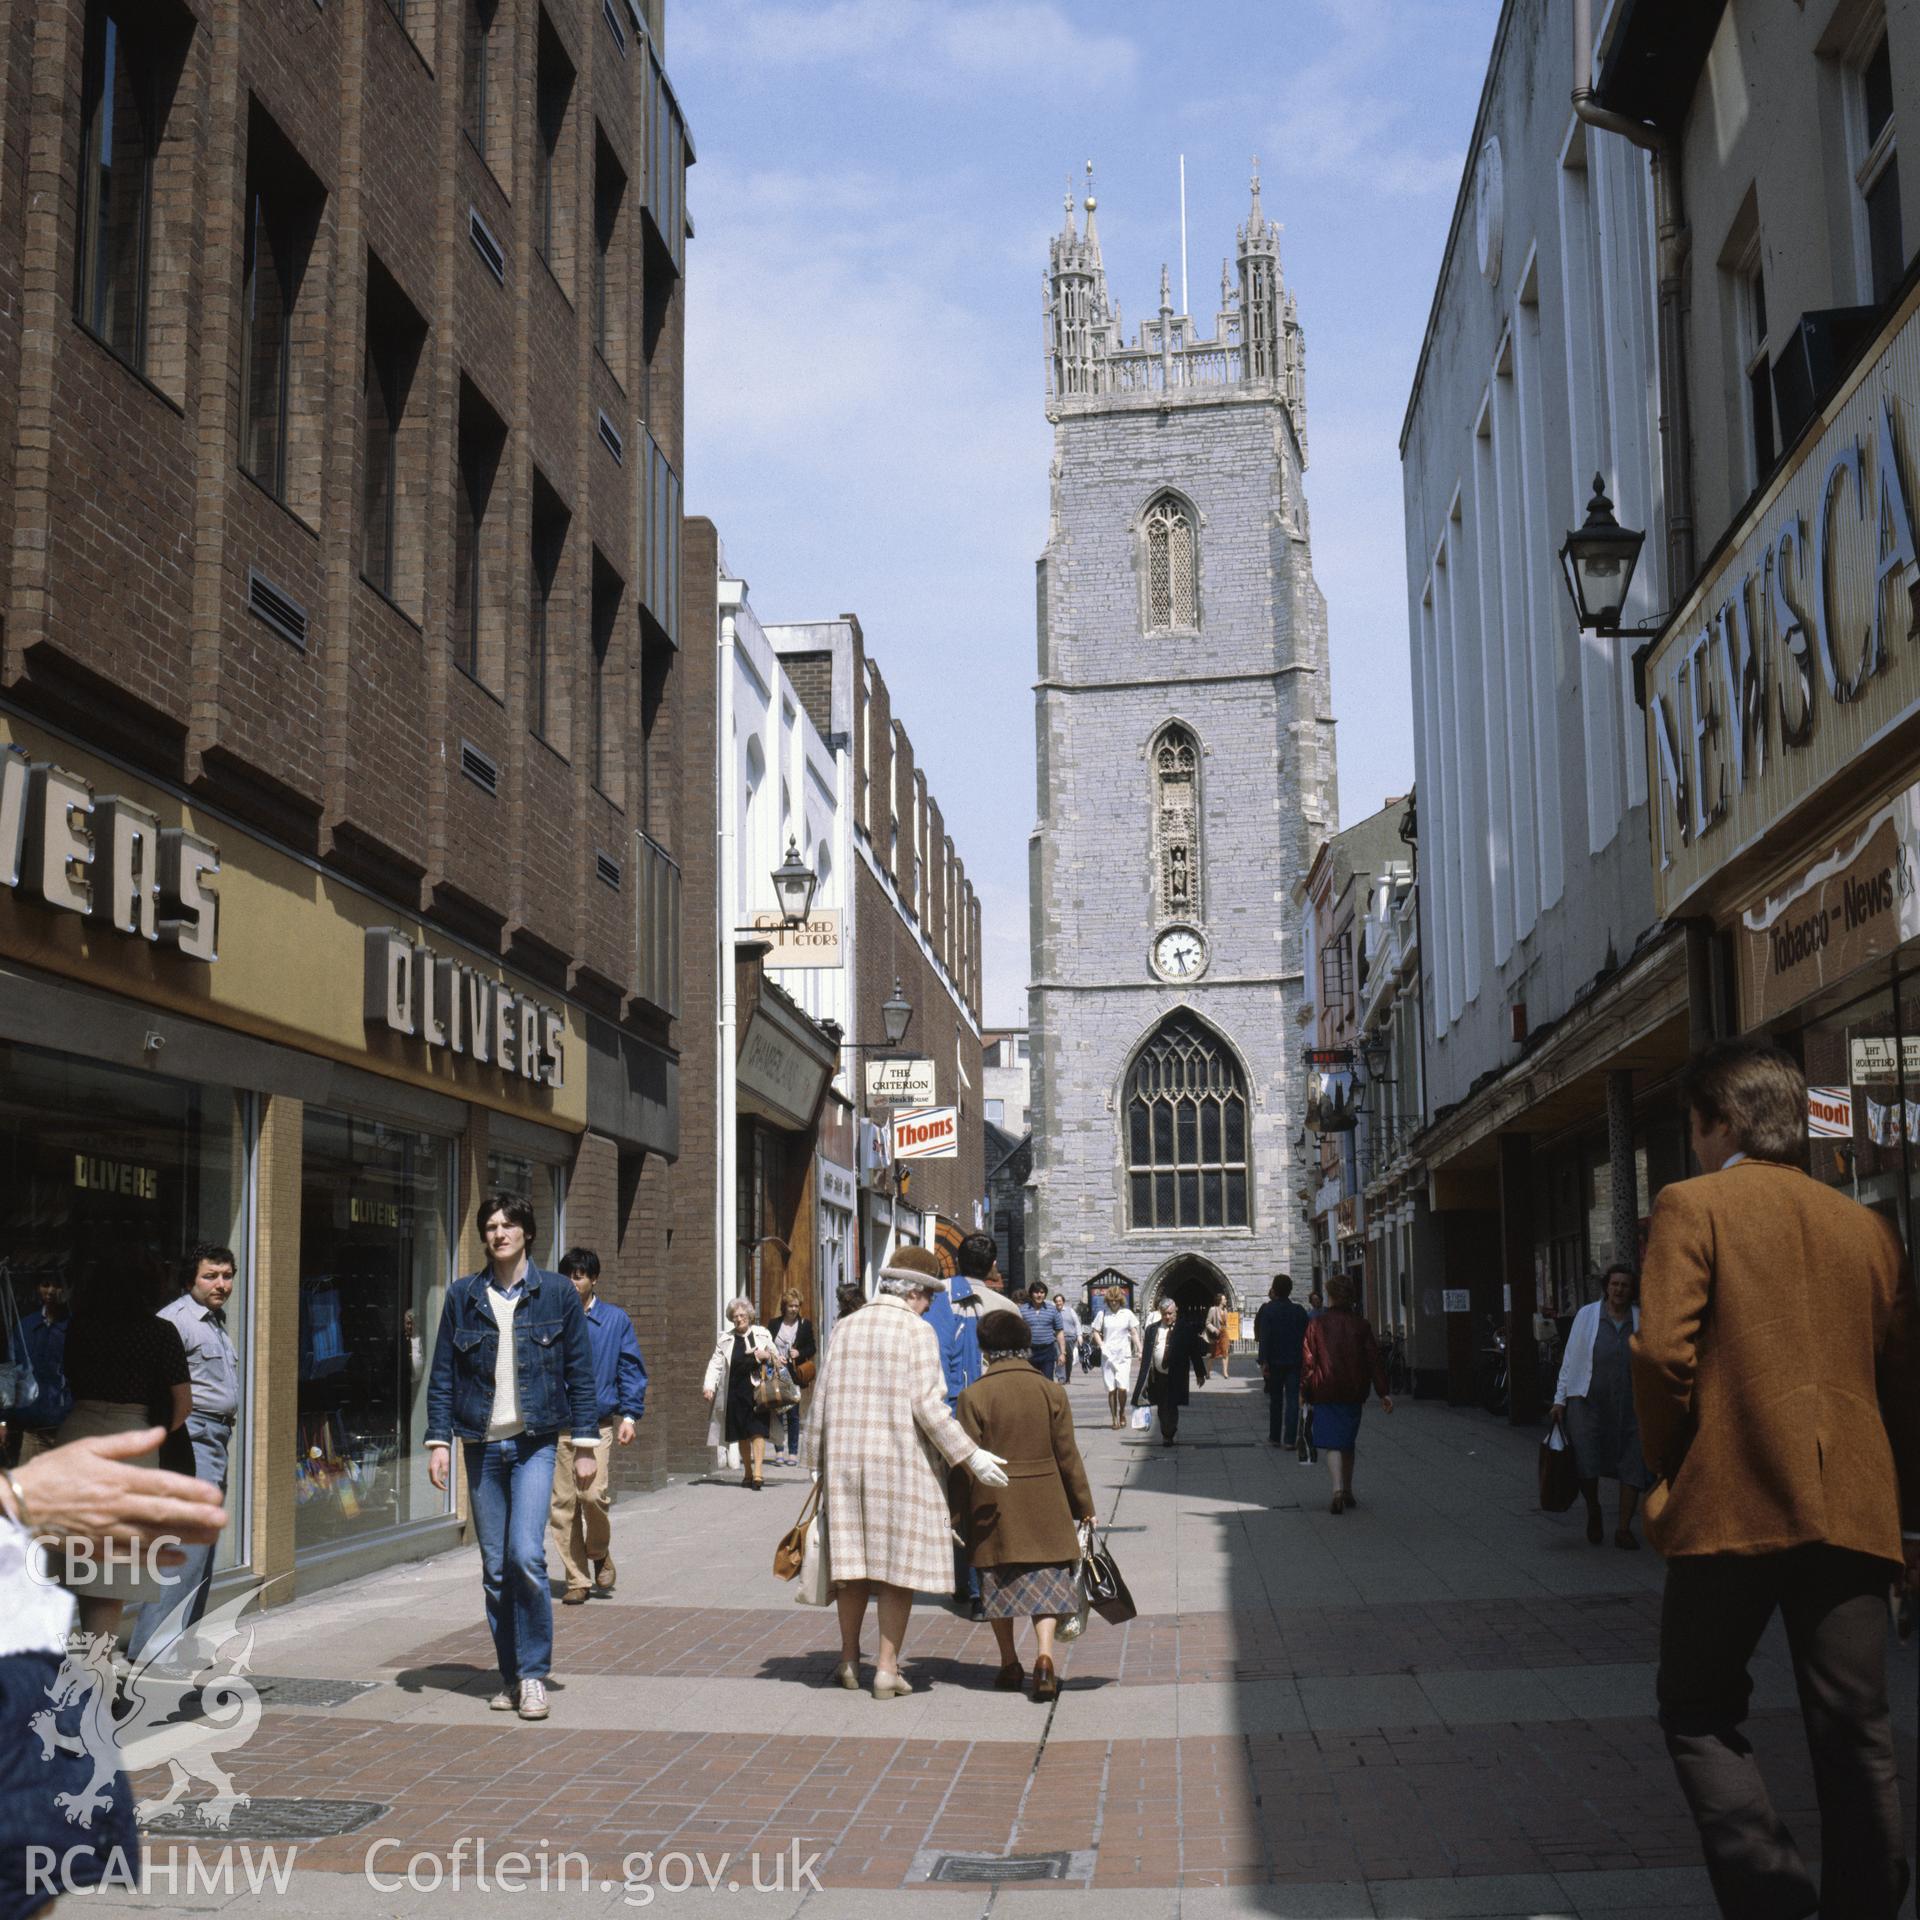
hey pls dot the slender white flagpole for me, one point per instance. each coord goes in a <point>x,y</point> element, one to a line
<point>1183,233</point>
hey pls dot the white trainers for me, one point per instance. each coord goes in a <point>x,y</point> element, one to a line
<point>503,1701</point>
<point>533,1699</point>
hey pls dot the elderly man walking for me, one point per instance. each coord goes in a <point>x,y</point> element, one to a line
<point>1777,1379</point>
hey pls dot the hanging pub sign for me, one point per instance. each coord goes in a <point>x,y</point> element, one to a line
<point>105,857</point>
<point>1799,650</point>
<point>444,1003</point>
<point>896,1081</point>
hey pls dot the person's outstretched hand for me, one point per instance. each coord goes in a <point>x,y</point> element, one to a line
<point>1386,1402</point>
<point>86,1490</point>
<point>988,1468</point>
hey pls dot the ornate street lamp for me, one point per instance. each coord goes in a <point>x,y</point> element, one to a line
<point>896,1015</point>
<point>793,885</point>
<point>1598,559</point>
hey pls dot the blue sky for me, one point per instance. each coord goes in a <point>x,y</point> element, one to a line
<point>876,185</point>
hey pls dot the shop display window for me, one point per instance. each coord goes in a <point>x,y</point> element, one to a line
<point>376,1206</point>
<point>1858,1094</point>
<point>106,1177</point>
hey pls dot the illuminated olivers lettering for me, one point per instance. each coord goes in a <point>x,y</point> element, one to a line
<point>105,859</point>
<point>1751,662</point>
<point>414,991</point>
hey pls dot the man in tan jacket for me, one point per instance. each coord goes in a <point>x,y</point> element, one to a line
<point>1777,1380</point>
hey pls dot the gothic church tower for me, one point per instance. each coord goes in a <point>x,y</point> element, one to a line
<point>1186,774</point>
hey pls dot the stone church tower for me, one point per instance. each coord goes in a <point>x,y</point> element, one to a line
<point>1186,775</point>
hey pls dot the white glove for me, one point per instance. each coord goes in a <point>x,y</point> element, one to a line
<point>988,1468</point>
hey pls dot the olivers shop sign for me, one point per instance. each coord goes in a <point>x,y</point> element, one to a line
<point>1802,647</point>
<point>105,858</point>
<point>455,1009</point>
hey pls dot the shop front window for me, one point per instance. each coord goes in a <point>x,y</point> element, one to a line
<point>1863,1099</point>
<point>375,1254</point>
<point>106,1178</point>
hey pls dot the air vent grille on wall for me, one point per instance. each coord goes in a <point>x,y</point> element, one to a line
<point>613,24</point>
<point>284,614</point>
<point>479,768</point>
<point>607,868</point>
<point>610,437</point>
<point>486,246</point>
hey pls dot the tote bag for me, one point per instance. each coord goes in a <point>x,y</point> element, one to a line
<point>1559,1473</point>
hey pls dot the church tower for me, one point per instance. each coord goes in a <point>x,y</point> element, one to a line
<point>1186,775</point>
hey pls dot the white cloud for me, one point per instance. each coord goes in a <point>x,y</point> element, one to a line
<point>1346,115</point>
<point>931,46</point>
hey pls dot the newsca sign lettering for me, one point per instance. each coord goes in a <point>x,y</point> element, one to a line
<point>1800,650</point>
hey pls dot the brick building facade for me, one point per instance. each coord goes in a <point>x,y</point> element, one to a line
<point>341,426</point>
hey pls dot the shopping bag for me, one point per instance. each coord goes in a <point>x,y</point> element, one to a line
<point>1106,1591</point>
<point>1140,1419</point>
<point>18,1388</point>
<point>1071,1626</point>
<point>1559,1473</point>
<point>814,1588</point>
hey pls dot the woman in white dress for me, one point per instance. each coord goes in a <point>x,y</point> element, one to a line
<point>1116,1327</point>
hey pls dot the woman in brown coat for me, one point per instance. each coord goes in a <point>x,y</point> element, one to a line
<point>1023,1537</point>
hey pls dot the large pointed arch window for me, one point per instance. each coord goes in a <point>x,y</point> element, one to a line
<point>1173,576</point>
<point>1176,824</point>
<point>1186,1125</point>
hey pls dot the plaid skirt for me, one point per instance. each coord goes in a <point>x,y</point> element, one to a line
<point>1028,1593</point>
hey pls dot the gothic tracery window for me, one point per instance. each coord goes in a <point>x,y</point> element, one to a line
<point>1176,824</point>
<point>1186,1122</point>
<point>1173,590</point>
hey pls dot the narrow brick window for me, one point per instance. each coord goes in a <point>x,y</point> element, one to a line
<point>608,681</point>
<point>480,84</point>
<point>393,442</point>
<point>117,142</point>
<point>549,684</point>
<point>609,276</point>
<point>478,627</point>
<point>552,196</point>
<point>281,347</point>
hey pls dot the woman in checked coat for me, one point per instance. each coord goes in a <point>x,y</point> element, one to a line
<point>882,1440</point>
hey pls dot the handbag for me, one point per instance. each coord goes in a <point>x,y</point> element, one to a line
<point>1106,1590</point>
<point>804,1370</point>
<point>790,1556</point>
<point>18,1388</point>
<point>814,1588</point>
<point>1559,1473</point>
<point>774,1387</point>
<point>1304,1448</point>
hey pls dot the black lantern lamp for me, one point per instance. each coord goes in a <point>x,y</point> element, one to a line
<point>793,885</point>
<point>896,1015</point>
<point>1599,559</point>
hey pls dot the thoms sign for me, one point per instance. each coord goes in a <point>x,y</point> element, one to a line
<point>1800,649</point>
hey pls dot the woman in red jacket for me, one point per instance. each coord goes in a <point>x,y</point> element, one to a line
<point>1339,1361</point>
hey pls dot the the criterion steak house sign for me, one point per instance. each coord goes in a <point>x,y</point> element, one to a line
<point>412,990</point>
<point>1800,651</point>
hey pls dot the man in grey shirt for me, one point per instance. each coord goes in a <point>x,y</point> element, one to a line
<point>200,1315</point>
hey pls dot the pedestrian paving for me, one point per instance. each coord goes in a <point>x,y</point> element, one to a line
<point>1436,1705</point>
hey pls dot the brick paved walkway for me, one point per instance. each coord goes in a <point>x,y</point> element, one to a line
<point>1437,1705</point>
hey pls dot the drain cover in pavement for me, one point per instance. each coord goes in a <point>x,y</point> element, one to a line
<point>270,1819</point>
<point>295,1690</point>
<point>1004,1867</point>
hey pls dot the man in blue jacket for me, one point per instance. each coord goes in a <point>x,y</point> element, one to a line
<point>512,1367</point>
<point>1278,1330</point>
<point>582,1515</point>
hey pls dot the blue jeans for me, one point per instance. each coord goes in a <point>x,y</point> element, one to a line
<point>1045,1359</point>
<point>793,1431</point>
<point>188,1584</point>
<point>510,1487</point>
<point>1283,1406</point>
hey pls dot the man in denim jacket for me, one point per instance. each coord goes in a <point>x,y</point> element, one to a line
<point>506,1400</point>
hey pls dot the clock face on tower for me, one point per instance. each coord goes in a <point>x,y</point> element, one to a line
<point>1180,953</point>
